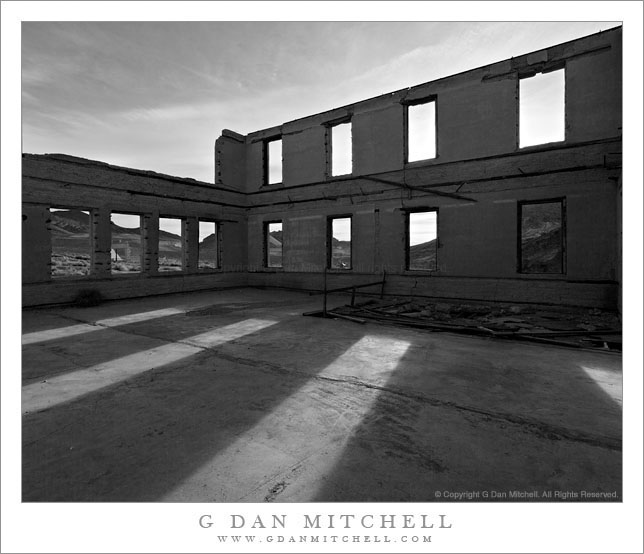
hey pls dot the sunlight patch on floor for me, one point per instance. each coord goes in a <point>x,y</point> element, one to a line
<point>229,332</point>
<point>608,380</point>
<point>72,385</point>
<point>271,450</point>
<point>72,330</point>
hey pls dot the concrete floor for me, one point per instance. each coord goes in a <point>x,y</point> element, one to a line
<point>233,396</point>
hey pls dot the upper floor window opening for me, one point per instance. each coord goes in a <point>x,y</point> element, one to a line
<point>421,131</point>
<point>273,161</point>
<point>341,149</point>
<point>542,112</point>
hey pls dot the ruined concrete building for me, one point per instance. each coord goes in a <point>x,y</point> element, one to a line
<point>439,185</point>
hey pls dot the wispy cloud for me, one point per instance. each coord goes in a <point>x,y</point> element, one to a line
<point>168,113</point>
<point>148,94</point>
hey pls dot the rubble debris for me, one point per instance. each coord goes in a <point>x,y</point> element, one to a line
<point>569,327</point>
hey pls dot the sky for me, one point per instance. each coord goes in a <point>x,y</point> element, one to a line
<point>422,227</point>
<point>156,95</point>
<point>540,126</point>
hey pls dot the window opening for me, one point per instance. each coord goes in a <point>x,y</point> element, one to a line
<point>340,243</point>
<point>422,239</point>
<point>208,245</point>
<point>542,108</point>
<point>341,149</point>
<point>170,244</point>
<point>71,242</point>
<point>126,242</point>
<point>421,131</point>
<point>273,244</point>
<point>273,169</point>
<point>542,237</point>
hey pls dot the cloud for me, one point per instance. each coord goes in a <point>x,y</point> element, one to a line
<point>169,113</point>
<point>157,95</point>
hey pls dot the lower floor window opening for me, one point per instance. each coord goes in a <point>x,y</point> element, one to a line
<point>126,243</point>
<point>422,240</point>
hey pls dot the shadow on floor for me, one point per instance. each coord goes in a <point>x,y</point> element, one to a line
<point>134,441</point>
<point>452,414</point>
<point>55,357</point>
<point>457,419</point>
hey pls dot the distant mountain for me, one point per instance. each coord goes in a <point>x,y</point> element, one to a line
<point>340,243</point>
<point>73,215</point>
<point>209,240</point>
<point>76,221</point>
<point>65,222</point>
<point>541,238</point>
<point>423,256</point>
<point>168,236</point>
<point>163,235</point>
<point>274,241</point>
<point>208,245</point>
<point>117,229</point>
<point>541,252</point>
<point>277,235</point>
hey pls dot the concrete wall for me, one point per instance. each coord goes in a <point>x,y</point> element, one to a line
<point>594,91</point>
<point>304,153</point>
<point>36,244</point>
<point>73,183</point>
<point>477,253</point>
<point>476,119</point>
<point>230,146</point>
<point>378,139</point>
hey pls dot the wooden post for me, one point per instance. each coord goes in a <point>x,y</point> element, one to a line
<point>353,296</point>
<point>382,289</point>
<point>324,304</point>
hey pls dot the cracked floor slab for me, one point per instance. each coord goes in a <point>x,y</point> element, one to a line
<point>304,409</point>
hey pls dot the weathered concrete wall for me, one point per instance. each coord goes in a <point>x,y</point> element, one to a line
<point>476,119</point>
<point>304,154</point>
<point>363,243</point>
<point>620,239</point>
<point>304,239</point>
<point>128,286</point>
<point>232,250</point>
<point>73,183</point>
<point>594,92</point>
<point>477,242</point>
<point>36,244</point>
<point>231,147</point>
<point>254,165</point>
<point>556,292</point>
<point>378,140</point>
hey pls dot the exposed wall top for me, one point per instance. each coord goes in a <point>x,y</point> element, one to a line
<point>475,114</point>
<point>103,165</point>
<point>553,53</point>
